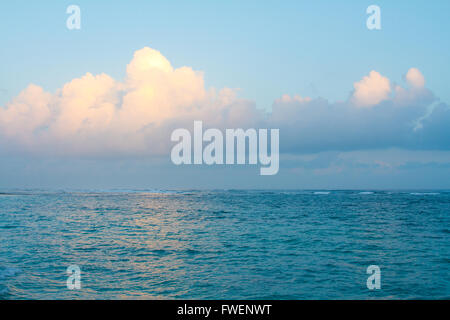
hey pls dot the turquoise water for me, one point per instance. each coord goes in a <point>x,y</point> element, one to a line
<point>225,244</point>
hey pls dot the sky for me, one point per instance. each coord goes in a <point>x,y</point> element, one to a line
<point>356,108</point>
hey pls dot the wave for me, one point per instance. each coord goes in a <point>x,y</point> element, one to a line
<point>366,192</point>
<point>8,272</point>
<point>3,291</point>
<point>322,192</point>
<point>424,193</point>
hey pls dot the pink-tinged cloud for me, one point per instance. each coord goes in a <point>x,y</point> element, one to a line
<point>415,78</point>
<point>98,115</point>
<point>371,90</point>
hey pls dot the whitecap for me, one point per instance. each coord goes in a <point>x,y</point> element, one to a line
<point>424,193</point>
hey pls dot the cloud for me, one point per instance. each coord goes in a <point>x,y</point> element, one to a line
<point>371,90</point>
<point>28,111</point>
<point>96,115</point>
<point>415,78</point>
<point>372,118</point>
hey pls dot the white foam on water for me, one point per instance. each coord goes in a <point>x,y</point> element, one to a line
<point>322,192</point>
<point>424,193</point>
<point>366,192</point>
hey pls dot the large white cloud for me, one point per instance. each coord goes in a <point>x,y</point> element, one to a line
<point>98,115</point>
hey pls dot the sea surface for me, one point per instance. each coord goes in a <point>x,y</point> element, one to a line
<point>232,244</point>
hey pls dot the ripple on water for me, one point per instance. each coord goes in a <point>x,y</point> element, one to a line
<point>226,244</point>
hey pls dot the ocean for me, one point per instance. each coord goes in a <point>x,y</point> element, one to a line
<point>224,244</point>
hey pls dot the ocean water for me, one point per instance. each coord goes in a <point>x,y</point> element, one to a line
<point>231,244</point>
